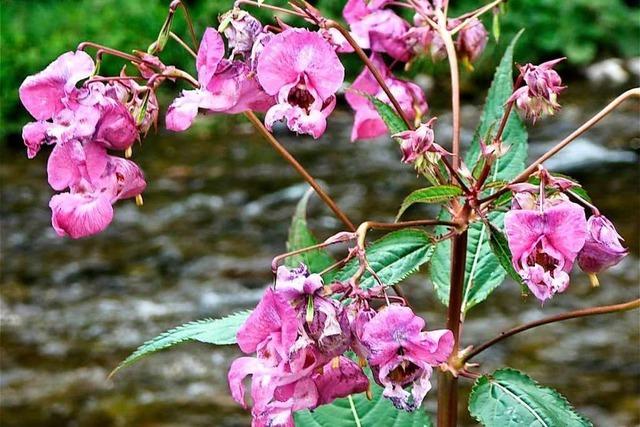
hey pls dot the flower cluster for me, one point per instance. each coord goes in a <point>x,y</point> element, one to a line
<point>379,29</point>
<point>299,335</point>
<point>547,233</point>
<point>82,124</point>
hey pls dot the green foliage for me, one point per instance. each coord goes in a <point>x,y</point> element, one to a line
<point>500,247</point>
<point>301,237</point>
<point>437,194</point>
<point>211,331</point>
<point>393,121</point>
<point>393,257</point>
<point>483,272</point>
<point>510,398</point>
<point>358,411</point>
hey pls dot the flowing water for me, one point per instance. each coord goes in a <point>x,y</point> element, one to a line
<point>216,211</point>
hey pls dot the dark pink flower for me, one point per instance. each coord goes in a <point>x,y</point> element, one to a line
<point>367,121</point>
<point>544,243</point>
<point>95,181</point>
<point>334,382</point>
<point>416,143</point>
<point>538,97</point>
<point>116,128</point>
<point>355,10</point>
<point>302,69</point>
<point>472,39</point>
<point>603,247</point>
<point>401,354</point>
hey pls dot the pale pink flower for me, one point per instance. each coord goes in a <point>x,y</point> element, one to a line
<point>367,121</point>
<point>472,39</point>
<point>240,30</point>
<point>302,69</point>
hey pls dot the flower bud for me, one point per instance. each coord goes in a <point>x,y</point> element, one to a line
<point>538,97</point>
<point>416,143</point>
<point>603,248</point>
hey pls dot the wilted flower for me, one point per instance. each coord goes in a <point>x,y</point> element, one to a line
<point>472,40</point>
<point>416,143</point>
<point>603,247</point>
<point>302,69</point>
<point>401,354</point>
<point>241,30</point>
<point>367,121</point>
<point>544,243</point>
<point>538,97</point>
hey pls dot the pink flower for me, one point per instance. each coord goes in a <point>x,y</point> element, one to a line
<point>334,382</point>
<point>228,86</point>
<point>302,69</point>
<point>538,97</point>
<point>95,181</point>
<point>378,29</point>
<point>603,248</point>
<point>472,40</point>
<point>401,354</point>
<point>367,122</point>
<point>44,94</point>
<point>416,143</point>
<point>544,243</point>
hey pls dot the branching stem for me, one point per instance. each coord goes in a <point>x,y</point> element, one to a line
<point>630,305</point>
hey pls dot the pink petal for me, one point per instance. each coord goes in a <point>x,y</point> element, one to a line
<point>117,128</point>
<point>333,383</point>
<point>34,134</point>
<point>523,229</point>
<point>566,230</point>
<point>42,94</point>
<point>184,109</point>
<point>294,52</point>
<point>210,53</point>
<point>79,215</point>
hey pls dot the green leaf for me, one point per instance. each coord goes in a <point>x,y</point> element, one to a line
<point>393,257</point>
<point>210,331</point>
<point>358,411</point>
<point>511,398</point>
<point>393,121</point>
<point>301,237</point>
<point>437,194</point>
<point>500,247</point>
<point>483,272</point>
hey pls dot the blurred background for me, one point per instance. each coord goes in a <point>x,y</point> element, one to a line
<point>217,210</point>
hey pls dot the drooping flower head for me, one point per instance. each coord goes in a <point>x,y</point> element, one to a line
<point>471,41</point>
<point>538,97</point>
<point>227,86</point>
<point>367,121</point>
<point>303,71</point>
<point>416,143</point>
<point>401,354</point>
<point>603,247</point>
<point>544,243</point>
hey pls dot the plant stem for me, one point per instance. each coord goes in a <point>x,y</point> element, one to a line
<point>82,46</point>
<point>300,169</point>
<point>374,70</point>
<point>575,134</point>
<point>441,27</point>
<point>274,8</point>
<point>174,6</point>
<point>182,43</point>
<point>551,319</point>
<point>447,383</point>
<point>470,15</point>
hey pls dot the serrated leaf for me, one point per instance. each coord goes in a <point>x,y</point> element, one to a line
<point>436,194</point>
<point>511,398</point>
<point>393,257</point>
<point>483,272</point>
<point>388,116</point>
<point>211,331</point>
<point>358,411</point>
<point>300,237</point>
<point>500,247</point>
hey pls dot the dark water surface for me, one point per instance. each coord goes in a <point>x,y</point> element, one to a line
<point>216,211</point>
